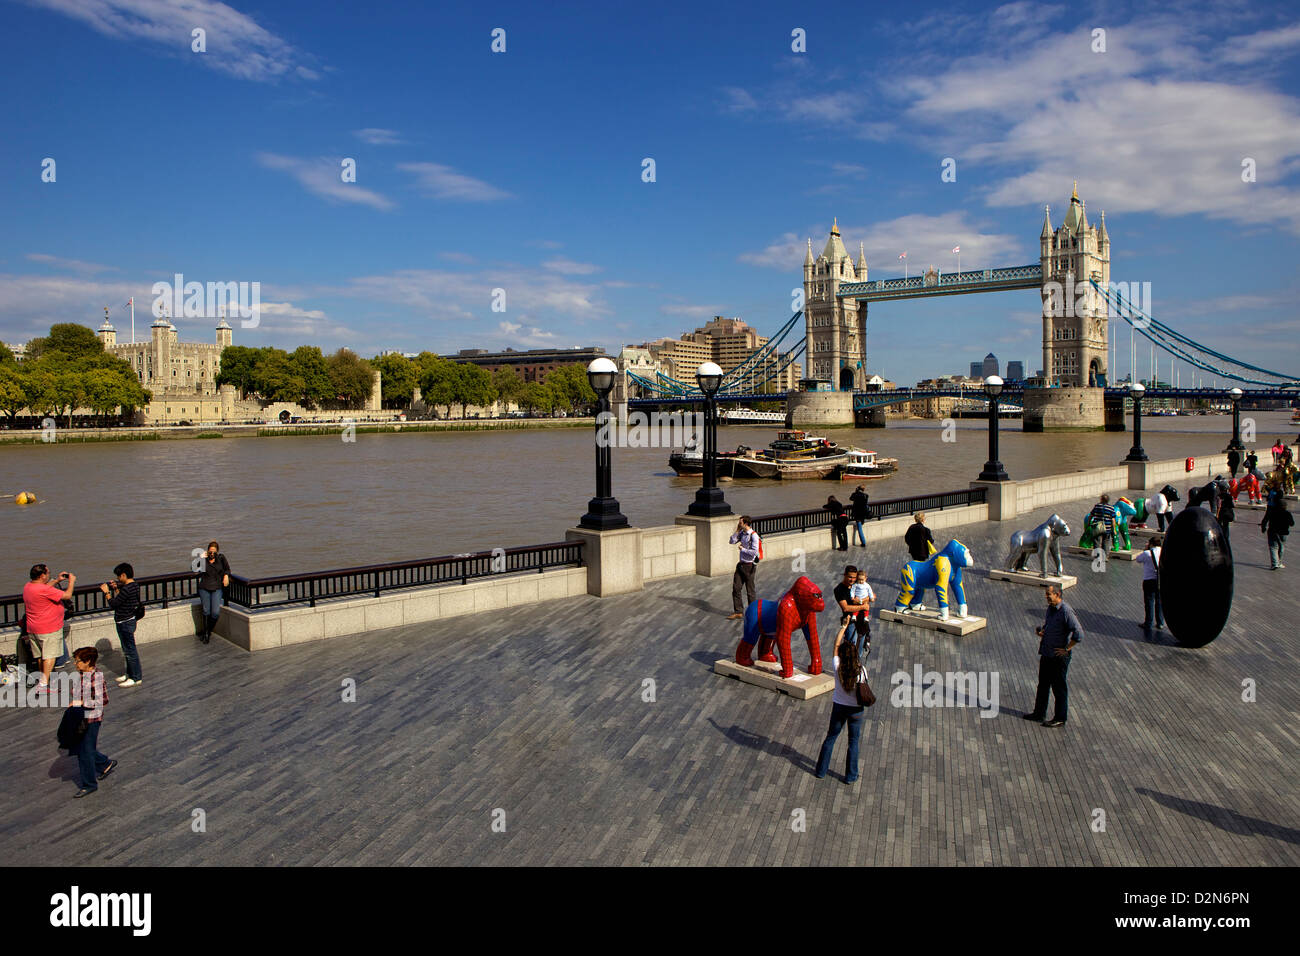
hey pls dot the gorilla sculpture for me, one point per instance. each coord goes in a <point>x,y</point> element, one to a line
<point>771,622</point>
<point>1043,541</point>
<point>940,571</point>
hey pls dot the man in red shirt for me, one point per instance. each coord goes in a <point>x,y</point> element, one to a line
<point>43,603</point>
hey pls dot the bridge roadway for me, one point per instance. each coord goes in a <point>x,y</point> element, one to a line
<point>540,712</point>
<point>1011,394</point>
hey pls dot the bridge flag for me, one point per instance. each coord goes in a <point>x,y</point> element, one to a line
<point>956,250</point>
<point>904,258</point>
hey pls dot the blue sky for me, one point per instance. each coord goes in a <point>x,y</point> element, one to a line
<point>522,170</point>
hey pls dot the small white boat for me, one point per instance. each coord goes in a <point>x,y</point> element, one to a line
<point>866,464</point>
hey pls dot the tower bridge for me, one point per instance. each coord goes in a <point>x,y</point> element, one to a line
<point>1077,300</point>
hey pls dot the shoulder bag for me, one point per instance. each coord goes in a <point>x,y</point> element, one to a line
<point>863,691</point>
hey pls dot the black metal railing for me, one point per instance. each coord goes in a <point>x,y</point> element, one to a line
<point>253,593</point>
<point>159,590</point>
<point>792,521</point>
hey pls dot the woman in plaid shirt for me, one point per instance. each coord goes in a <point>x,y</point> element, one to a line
<point>94,695</point>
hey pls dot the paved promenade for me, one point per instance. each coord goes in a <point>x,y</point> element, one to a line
<point>540,713</point>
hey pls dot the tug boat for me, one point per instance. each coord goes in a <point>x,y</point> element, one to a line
<point>690,461</point>
<point>866,464</point>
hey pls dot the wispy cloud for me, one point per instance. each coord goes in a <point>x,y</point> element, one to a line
<point>443,182</point>
<point>322,177</point>
<point>235,43</point>
<point>515,334</point>
<point>379,137</point>
<point>68,265</point>
<point>570,268</point>
<point>693,311</point>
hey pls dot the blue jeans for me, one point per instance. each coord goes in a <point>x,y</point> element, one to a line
<point>126,634</point>
<point>89,760</point>
<point>211,601</point>
<point>1151,601</point>
<point>860,537</point>
<point>840,715</point>
<point>1275,546</point>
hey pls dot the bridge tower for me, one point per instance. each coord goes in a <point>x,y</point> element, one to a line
<point>1075,319</point>
<point>835,326</point>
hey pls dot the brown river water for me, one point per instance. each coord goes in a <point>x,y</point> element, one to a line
<point>284,505</point>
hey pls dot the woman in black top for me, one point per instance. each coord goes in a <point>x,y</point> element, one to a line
<point>918,538</point>
<point>839,524</point>
<point>214,576</point>
<point>123,596</point>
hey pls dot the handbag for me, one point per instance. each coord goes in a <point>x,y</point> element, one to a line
<point>864,693</point>
<point>139,611</point>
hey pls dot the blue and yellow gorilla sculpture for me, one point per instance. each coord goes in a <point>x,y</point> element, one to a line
<point>941,571</point>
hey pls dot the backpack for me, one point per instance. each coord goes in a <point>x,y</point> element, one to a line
<point>759,556</point>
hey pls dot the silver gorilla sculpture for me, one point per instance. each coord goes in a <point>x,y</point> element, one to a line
<point>1043,540</point>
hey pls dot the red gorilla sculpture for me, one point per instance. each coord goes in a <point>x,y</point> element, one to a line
<point>773,621</point>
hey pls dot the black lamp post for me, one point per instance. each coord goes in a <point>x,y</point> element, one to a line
<point>993,470</point>
<point>1136,453</point>
<point>1235,395</point>
<point>708,501</point>
<point>602,511</point>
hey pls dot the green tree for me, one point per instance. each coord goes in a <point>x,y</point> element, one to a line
<point>399,376</point>
<point>439,381</point>
<point>13,390</point>
<point>6,355</point>
<point>538,397</point>
<point>278,380</point>
<point>239,368</point>
<point>570,385</point>
<point>312,369</point>
<point>474,387</point>
<point>73,340</point>
<point>351,378</point>
<point>508,384</point>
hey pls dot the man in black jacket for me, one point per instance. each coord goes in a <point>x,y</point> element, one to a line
<point>861,512</point>
<point>920,542</point>
<point>1277,524</point>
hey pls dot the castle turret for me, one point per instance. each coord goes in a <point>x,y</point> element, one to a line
<point>107,334</point>
<point>1075,343</point>
<point>862,262</point>
<point>225,335</point>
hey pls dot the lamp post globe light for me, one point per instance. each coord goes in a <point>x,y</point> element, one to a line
<point>708,501</point>
<point>602,511</point>
<point>1136,453</point>
<point>1235,395</point>
<point>993,470</point>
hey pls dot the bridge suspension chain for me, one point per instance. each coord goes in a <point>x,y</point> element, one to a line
<point>1179,345</point>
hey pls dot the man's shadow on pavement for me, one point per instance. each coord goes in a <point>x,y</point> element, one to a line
<point>758,742</point>
<point>1228,820</point>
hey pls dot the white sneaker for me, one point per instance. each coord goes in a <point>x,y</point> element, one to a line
<point>130,683</point>
<point>120,679</point>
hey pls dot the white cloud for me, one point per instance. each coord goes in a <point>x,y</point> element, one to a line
<point>738,100</point>
<point>1264,44</point>
<point>570,268</point>
<point>322,177</point>
<point>236,44</point>
<point>68,265</point>
<point>443,182</point>
<point>379,137</point>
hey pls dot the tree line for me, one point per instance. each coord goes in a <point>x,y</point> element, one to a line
<point>70,369</point>
<point>66,370</point>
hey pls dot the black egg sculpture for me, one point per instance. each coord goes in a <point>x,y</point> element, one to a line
<point>1195,578</point>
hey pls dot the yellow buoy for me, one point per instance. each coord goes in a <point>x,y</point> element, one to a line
<point>25,498</point>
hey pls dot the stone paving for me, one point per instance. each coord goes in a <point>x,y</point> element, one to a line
<point>539,713</point>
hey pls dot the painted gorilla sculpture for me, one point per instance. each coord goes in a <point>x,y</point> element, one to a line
<point>769,623</point>
<point>1044,540</point>
<point>941,571</point>
<point>1249,484</point>
<point>1124,510</point>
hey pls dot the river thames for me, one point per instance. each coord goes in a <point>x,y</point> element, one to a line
<point>283,505</point>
